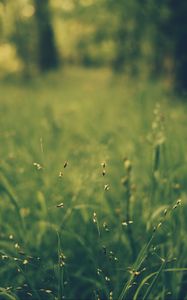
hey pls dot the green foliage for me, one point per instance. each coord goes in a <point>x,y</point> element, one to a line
<point>135,37</point>
<point>91,181</point>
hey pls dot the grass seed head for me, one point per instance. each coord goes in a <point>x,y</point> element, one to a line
<point>111,295</point>
<point>105,226</point>
<point>159,225</point>
<point>60,205</point>
<point>99,271</point>
<point>124,223</point>
<point>107,278</point>
<point>106,187</point>
<point>37,166</point>
<point>17,246</point>
<point>94,217</point>
<point>4,257</point>
<point>65,164</point>
<point>104,172</point>
<point>62,259</point>
<point>25,262</point>
<point>127,165</point>
<point>103,164</point>
<point>60,174</point>
<point>48,291</point>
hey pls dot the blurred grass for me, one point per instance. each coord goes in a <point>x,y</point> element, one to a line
<point>86,117</point>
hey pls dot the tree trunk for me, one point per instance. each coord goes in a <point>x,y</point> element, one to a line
<point>179,29</point>
<point>47,51</point>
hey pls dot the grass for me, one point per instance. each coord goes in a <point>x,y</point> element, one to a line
<point>92,174</point>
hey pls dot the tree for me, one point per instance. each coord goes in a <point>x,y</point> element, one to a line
<point>178,25</point>
<point>128,33</point>
<point>47,50</point>
<point>168,20</point>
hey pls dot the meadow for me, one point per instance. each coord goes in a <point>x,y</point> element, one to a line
<point>93,194</point>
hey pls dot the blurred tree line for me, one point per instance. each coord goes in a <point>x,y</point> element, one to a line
<point>137,37</point>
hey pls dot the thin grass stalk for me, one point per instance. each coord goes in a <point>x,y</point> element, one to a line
<point>5,186</point>
<point>34,291</point>
<point>126,181</point>
<point>6,295</point>
<point>153,274</point>
<point>150,288</point>
<point>60,270</point>
<point>141,258</point>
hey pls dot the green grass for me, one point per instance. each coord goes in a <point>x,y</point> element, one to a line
<point>88,248</point>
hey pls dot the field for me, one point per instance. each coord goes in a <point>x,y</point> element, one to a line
<point>93,194</point>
